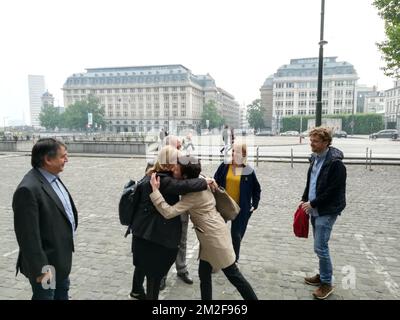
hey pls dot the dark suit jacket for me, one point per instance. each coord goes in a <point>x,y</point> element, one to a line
<point>42,228</point>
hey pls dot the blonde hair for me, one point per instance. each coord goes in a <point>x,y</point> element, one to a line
<point>243,148</point>
<point>325,134</point>
<point>166,159</point>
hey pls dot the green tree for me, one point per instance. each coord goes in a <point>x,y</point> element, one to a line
<point>255,113</point>
<point>210,113</point>
<point>76,115</point>
<point>49,117</point>
<point>389,10</point>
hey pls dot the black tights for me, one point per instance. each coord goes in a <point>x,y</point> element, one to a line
<point>152,284</point>
<point>234,276</point>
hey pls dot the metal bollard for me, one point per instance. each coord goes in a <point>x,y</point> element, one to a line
<point>370,160</point>
<point>257,155</point>
<point>366,159</point>
<point>291,157</point>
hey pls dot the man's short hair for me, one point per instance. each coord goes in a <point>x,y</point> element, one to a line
<point>325,134</point>
<point>45,147</point>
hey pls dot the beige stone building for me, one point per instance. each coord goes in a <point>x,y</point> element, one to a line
<point>147,98</point>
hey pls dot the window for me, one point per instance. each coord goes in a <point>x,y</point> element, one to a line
<point>289,104</point>
<point>166,97</point>
<point>183,113</point>
<point>348,103</point>
<point>289,85</point>
<point>302,103</point>
<point>279,85</point>
<point>289,94</point>
<point>339,83</point>
<point>337,103</point>
<point>338,93</point>
<point>302,94</point>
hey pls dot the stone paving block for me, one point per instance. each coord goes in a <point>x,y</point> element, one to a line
<point>272,259</point>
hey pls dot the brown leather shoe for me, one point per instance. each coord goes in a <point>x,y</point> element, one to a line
<point>323,291</point>
<point>313,281</point>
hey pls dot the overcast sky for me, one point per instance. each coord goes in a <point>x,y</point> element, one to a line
<point>239,43</point>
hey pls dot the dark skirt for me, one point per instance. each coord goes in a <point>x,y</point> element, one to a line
<point>155,260</point>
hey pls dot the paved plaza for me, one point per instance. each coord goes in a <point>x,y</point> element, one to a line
<point>364,244</point>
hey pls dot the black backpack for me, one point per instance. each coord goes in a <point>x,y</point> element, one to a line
<point>128,203</point>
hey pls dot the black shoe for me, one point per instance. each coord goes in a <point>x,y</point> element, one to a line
<point>163,283</point>
<point>185,277</point>
<point>137,296</point>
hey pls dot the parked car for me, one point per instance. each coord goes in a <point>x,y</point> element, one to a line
<point>388,133</point>
<point>305,134</point>
<point>265,133</point>
<point>340,134</point>
<point>290,133</point>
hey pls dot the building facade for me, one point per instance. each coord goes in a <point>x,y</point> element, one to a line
<point>36,86</point>
<point>147,98</point>
<point>47,99</point>
<point>294,89</point>
<point>392,106</point>
<point>374,102</point>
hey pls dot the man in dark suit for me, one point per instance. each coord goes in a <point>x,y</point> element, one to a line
<point>45,219</point>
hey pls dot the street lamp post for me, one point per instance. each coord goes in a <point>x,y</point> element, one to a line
<point>322,42</point>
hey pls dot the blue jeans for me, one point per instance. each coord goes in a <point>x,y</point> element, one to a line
<point>59,293</point>
<point>322,228</point>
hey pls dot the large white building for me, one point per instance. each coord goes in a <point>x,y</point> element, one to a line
<point>147,98</point>
<point>292,90</point>
<point>36,90</point>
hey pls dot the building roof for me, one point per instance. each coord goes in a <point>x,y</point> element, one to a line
<point>308,67</point>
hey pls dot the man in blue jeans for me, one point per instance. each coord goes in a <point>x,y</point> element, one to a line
<point>324,199</point>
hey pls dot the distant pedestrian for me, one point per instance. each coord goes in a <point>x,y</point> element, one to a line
<point>225,139</point>
<point>188,142</point>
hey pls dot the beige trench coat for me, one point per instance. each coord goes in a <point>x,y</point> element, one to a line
<point>211,229</point>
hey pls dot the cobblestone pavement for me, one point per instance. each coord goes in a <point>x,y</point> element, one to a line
<point>364,243</point>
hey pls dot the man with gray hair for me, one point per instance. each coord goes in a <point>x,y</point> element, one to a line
<point>45,220</point>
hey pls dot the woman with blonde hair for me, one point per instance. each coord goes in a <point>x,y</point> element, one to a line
<point>240,182</point>
<point>155,239</point>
